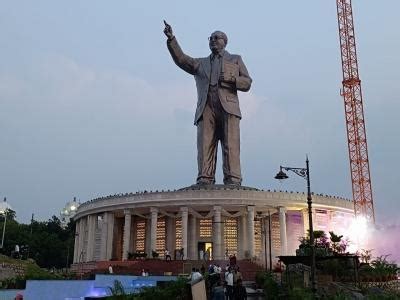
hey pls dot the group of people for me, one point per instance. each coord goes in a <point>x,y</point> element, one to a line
<point>179,254</point>
<point>205,255</point>
<point>226,285</point>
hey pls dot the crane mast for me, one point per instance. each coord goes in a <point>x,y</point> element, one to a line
<point>354,113</point>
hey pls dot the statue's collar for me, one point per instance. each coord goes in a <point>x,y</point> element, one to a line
<point>219,54</point>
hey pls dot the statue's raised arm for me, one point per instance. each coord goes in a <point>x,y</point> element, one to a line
<point>182,60</point>
<point>168,31</point>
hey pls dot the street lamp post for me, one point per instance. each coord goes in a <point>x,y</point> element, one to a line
<point>4,229</point>
<point>4,224</point>
<point>305,173</point>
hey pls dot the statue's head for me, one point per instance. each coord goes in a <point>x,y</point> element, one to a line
<point>217,41</point>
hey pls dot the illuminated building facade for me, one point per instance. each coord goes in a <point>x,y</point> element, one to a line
<point>211,221</point>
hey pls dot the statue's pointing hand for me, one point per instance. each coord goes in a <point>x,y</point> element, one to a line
<point>168,31</point>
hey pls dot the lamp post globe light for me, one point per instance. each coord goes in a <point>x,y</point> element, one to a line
<point>305,173</point>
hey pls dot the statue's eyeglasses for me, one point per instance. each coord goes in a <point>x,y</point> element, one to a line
<point>215,37</point>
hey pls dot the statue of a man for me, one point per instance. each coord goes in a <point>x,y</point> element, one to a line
<point>218,78</point>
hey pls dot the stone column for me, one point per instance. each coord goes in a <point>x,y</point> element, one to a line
<point>223,246</point>
<point>185,213</point>
<point>264,244</point>
<point>330,220</point>
<point>76,243</point>
<point>171,235</point>
<point>82,236</point>
<point>305,221</point>
<point>242,236</point>
<point>282,230</point>
<point>103,242</point>
<point>268,237</point>
<point>127,234</point>
<point>193,238</point>
<point>250,230</point>
<point>153,229</point>
<point>110,235</point>
<point>133,233</point>
<point>91,219</point>
<point>217,240</point>
<point>147,242</point>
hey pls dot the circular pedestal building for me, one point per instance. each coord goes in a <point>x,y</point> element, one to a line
<point>205,221</point>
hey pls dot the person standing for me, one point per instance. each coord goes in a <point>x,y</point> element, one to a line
<point>167,255</point>
<point>240,292</point>
<point>218,291</point>
<point>196,276</point>
<point>218,77</point>
<point>236,276</point>
<point>229,284</point>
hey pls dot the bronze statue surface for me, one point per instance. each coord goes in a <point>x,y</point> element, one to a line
<point>218,77</point>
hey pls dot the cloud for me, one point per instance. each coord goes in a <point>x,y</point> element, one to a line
<point>68,128</point>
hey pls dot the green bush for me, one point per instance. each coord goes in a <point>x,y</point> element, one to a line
<point>300,293</point>
<point>171,290</point>
<point>268,283</point>
<point>34,272</point>
<point>13,283</point>
<point>117,289</point>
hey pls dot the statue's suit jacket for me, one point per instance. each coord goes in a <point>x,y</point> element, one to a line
<point>201,69</point>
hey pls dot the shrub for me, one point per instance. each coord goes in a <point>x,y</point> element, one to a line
<point>171,290</point>
<point>267,281</point>
<point>300,293</point>
<point>117,289</point>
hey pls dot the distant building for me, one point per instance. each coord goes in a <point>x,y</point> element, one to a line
<point>69,211</point>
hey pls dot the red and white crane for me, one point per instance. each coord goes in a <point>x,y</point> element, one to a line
<point>355,122</point>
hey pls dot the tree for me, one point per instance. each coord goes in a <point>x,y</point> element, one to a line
<point>335,242</point>
<point>366,255</point>
<point>323,245</point>
<point>46,241</point>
